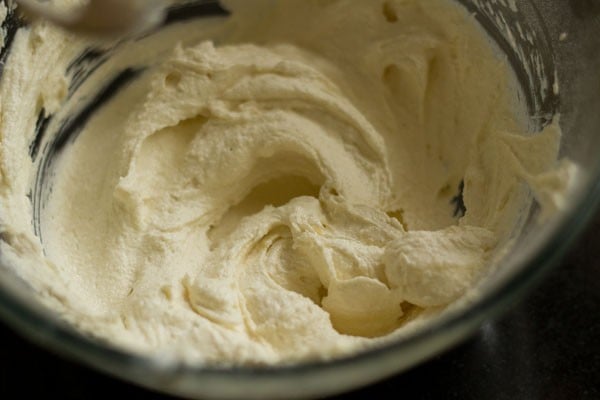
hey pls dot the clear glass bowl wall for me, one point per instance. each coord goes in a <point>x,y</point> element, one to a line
<point>549,44</point>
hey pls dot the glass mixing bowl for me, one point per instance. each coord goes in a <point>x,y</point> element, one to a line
<point>554,49</point>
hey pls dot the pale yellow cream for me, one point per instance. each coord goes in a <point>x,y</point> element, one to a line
<point>279,186</point>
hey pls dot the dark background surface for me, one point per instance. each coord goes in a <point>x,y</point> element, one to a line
<point>546,347</point>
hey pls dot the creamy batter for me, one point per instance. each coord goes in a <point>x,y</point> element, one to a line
<point>303,179</point>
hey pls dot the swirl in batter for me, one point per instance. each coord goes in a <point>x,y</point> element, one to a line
<point>272,192</point>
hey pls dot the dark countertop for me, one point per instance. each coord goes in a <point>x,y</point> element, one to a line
<point>547,347</point>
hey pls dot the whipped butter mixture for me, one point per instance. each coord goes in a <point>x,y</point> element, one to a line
<point>302,179</point>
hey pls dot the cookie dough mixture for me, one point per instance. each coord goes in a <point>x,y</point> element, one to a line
<point>299,180</point>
